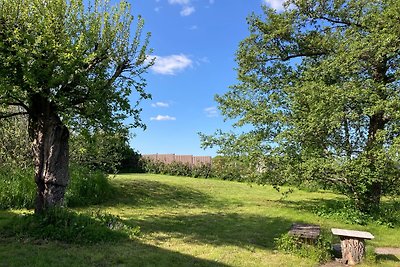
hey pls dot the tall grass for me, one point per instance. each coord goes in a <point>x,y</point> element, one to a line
<point>18,189</point>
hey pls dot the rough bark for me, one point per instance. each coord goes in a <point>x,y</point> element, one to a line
<point>353,250</point>
<point>51,154</point>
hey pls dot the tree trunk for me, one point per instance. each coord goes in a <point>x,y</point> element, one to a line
<point>353,250</point>
<point>370,199</point>
<point>51,154</point>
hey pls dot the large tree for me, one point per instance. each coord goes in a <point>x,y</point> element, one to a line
<point>319,89</point>
<point>67,66</point>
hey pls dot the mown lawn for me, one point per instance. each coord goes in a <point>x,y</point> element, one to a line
<point>193,222</point>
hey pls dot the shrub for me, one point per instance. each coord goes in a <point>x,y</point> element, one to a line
<point>388,215</point>
<point>202,171</point>
<point>320,251</point>
<point>67,226</point>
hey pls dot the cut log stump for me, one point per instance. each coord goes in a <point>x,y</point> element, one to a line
<point>309,233</point>
<point>352,244</point>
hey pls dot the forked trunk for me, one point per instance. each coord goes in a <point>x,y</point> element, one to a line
<point>51,155</point>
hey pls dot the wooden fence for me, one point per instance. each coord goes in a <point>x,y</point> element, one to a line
<point>187,159</point>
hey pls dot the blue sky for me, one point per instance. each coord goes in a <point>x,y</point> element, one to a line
<point>194,43</point>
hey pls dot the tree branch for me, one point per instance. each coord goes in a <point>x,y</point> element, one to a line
<point>9,115</point>
<point>118,71</point>
<point>337,21</point>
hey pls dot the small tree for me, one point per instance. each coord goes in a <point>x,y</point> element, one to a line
<point>319,88</point>
<point>68,66</point>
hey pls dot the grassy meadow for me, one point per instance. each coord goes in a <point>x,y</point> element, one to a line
<point>193,222</point>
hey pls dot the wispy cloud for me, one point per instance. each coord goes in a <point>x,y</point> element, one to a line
<point>193,27</point>
<point>163,118</point>
<point>170,65</point>
<point>275,4</point>
<point>187,7</point>
<point>187,11</point>
<point>211,112</point>
<point>160,105</point>
<point>179,2</point>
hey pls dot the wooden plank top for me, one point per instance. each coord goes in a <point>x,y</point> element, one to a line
<point>305,230</point>
<point>352,233</point>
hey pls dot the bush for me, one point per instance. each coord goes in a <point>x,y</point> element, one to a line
<point>388,215</point>
<point>320,251</point>
<point>176,168</point>
<point>63,225</point>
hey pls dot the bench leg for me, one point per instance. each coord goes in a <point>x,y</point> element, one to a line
<point>353,250</point>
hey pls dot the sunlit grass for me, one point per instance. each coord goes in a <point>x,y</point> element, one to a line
<point>193,222</point>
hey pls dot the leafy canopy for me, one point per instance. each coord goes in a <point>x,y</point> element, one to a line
<point>82,59</point>
<point>318,96</point>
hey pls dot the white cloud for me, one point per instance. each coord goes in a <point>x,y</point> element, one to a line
<point>193,27</point>
<point>187,11</point>
<point>211,112</point>
<point>211,2</point>
<point>179,2</point>
<point>276,4</point>
<point>157,9</point>
<point>170,65</point>
<point>187,8</point>
<point>163,118</point>
<point>160,105</point>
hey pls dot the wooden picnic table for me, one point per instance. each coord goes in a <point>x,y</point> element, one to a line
<point>352,244</point>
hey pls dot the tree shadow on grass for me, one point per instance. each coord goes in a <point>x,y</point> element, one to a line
<point>18,253</point>
<point>243,230</point>
<point>141,193</point>
<point>314,204</point>
<point>387,257</point>
<point>88,248</point>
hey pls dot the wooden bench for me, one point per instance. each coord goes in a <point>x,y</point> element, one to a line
<point>307,232</point>
<point>352,244</point>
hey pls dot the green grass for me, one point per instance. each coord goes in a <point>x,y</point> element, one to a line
<point>192,222</point>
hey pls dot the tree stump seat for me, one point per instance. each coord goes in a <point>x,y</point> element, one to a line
<point>352,244</point>
<point>306,232</point>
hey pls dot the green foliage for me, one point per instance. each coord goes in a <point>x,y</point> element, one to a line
<point>231,168</point>
<point>225,168</point>
<point>388,215</point>
<point>106,151</point>
<point>318,94</point>
<point>63,225</point>
<point>15,147</point>
<point>69,66</point>
<point>176,168</point>
<point>17,187</point>
<point>320,250</point>
<point>79,57</point>
<point>87,187</point>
